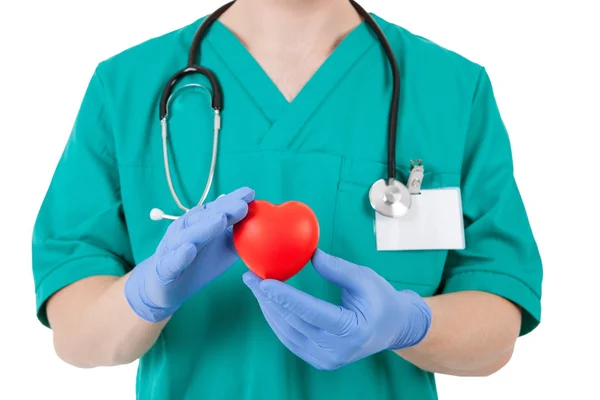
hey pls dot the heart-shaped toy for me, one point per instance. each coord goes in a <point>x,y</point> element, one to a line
<point>276,241</point>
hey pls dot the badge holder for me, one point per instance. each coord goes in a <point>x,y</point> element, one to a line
<point>432,219</point>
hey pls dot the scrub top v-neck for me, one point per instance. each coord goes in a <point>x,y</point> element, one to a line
<point>287,117</point>
<point>324,148</point>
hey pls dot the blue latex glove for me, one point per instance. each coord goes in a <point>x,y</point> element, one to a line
<point>197,248</point>
<point>372,317</point>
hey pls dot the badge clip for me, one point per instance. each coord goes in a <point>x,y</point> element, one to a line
<point>415,179</point>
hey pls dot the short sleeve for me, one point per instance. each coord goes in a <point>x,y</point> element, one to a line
<point>80,230</point>
<point>501,254</point>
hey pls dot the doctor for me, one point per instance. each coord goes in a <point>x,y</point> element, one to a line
<point>306,100</point>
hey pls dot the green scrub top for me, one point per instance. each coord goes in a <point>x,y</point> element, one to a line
<point>324,148</point>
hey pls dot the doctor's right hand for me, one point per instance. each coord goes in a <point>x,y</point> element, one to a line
<point>196,249</point>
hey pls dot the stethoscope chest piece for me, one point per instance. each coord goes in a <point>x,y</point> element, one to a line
<point>391,199</point>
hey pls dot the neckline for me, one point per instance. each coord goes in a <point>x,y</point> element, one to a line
<point>247,69</point>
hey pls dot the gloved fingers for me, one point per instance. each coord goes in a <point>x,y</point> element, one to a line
<point>319,336</point>
<point>338,271</point>
<point>234,205</point>
<point>169,266</point>
<point>234,211</point>
<point>293,340</point>
<point>200,231</point>
<point>329,317</point>
<point>317,347</point>
<point>244,193</point>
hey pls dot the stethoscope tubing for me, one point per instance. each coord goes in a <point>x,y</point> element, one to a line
<point>192,68</point>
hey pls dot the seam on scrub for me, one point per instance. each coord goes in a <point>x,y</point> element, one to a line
<point>443,177</point>
<point>114,158</point>
<point>236,153</point>
<point>469,114</point>
<point>404,171</point>
<point>295,153</point>
<point>336,204</point>
<point>477,271</point>
<point>106,104</point>
<point>65,263</point>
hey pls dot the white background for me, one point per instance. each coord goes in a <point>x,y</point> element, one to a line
<point>544,65</point>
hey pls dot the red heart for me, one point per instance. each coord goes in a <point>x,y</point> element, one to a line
<point>276,241</point>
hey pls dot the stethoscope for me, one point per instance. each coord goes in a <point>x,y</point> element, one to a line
<point>388,197</point>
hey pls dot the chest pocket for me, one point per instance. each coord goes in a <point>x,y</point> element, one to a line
<point>354,230</point>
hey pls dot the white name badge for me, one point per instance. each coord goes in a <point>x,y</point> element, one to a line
<point>434,222</point>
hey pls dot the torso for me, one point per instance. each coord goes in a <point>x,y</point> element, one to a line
<point>325,148</point>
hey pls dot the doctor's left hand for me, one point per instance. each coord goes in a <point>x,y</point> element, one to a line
<point>372,317</point>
